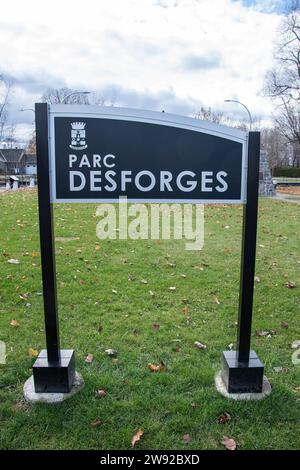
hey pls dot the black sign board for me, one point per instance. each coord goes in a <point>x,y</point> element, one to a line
<point>95,154</point>
<point>100,154</point>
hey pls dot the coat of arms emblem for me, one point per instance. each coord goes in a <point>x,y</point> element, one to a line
<point>78,136</point>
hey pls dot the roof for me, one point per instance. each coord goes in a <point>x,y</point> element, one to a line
<point>29,158</point>
<point>12,155</point>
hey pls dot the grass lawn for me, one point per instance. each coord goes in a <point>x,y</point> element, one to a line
<point>168,404</point>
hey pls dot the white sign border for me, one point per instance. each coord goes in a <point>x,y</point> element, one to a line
<point>151,117</point>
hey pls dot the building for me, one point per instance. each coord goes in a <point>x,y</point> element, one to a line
<point>17,162</point>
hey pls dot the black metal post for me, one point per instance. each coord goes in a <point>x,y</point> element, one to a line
<point>46,233</point>
<point>54,369</point>
<point>248,250</point>
<point>242,371</point>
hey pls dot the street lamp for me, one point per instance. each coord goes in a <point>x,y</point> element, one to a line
<point>244,106</point>
<point>62,100</point>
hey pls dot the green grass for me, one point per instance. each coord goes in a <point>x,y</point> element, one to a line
<point>160,403</point>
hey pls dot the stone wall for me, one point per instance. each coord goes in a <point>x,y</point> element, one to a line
<point>266,186</point>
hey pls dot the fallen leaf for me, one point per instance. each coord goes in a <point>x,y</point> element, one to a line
<point>81,282</point>
<point>143,281</point>
<point>295,344</point>
<point>230,346</point>
<point>290,285</point>
<point>200,345</point>
<point>33,352</point>
<point>224,418</point>
<point>155,368</point>
<point>156,326</point>
<point>111,352</point>
<point>261,246</point>
<point>284,324</point>
<point>23,296</point>
<point>97,247</point>
<point>229,443</point>
<point>151,293</point>
<point>217,301</point>
<point>195,405</point>
<point>171,265</point>
<point>130,277</point>
<point>297,389</point>
<point>185,310</point>
<point>256,279</point>
<point>13,261</point>
<point>96,422</point>
<point>114,291</point>
<point>267,333</point>
<point>101,392</point>
<point>15,323</point>
<point>89,358</point>
<point>137,437</point>
<point>281,369</point>
<point>34,254</point>
<point>186,438</point>
<point>172,289</point>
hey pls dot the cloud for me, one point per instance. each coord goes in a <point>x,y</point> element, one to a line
<point>166,100</point>
<point>158,54</point>
<point>211,60</point>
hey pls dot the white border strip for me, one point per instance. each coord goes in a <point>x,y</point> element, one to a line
<point>152,117</point>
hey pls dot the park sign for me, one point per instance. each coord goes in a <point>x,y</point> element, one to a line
<point>100,154</point>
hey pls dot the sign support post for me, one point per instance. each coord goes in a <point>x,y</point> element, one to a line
<point>54,369</point>
<point>242,371</point>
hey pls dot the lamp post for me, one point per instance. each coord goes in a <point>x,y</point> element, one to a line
<point>244,106</point>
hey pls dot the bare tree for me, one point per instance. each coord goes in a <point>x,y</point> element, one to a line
<point>31,146</point>
<point>65,96</point>
<point>282,82</point>
<point>218,117</point>
<point>5,90</point>
<point>274,143</point>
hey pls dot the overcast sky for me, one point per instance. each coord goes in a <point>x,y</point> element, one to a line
<point>176,55</point>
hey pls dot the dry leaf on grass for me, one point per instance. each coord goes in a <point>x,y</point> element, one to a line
<point>156,326</point>
<point>290,285</point>
<point>200,345</point>
<point>89,358</point>
<point>186,438</point>
<point>295,344</point>
<point>224,418</point>
<point>217,301</point>
<point>15,323</point>
<point>185,310</point>
<point>13,261</point>
<point>111,352</point>
<point>137,436</point>
<point>23,296</point>
<point>156,368</point>
<point>101,392</point>
<point>229,443</point>
<point>172,289</point>
<point>96,422</point>
<point>33,352</point>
